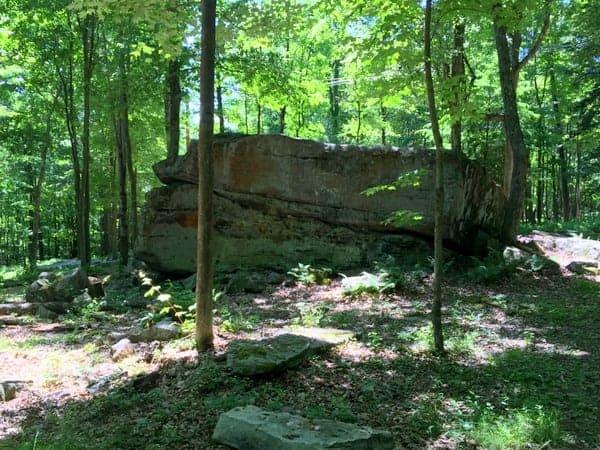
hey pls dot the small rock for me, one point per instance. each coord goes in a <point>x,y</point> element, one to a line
<point>165,330</point>
<point>253,283</point>
<point>45,313</point>
<point>122,350</point>
<point>253,428</point>
<point>514,255</point>
<point>8,391</point>
<point>105,382</point>
<point>82,299</point>
<point>583,267</point>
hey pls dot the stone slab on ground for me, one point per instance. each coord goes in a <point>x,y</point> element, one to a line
<point>333,336</point>
<point>8,391</point>
<point>253,428</point>
<point>275,354</point>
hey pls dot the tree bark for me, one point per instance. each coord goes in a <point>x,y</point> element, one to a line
<point>560,147</point>
<point>334,102</point>
<point>172,108</point>
<point>205,263</point>
<point>88,37</point>
<point>514,136</point>
<point>436,310</point>
<point>457,72</point>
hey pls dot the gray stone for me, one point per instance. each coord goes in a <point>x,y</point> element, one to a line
<point>122,350</point>
<point>18,308</point>
<point>40,291</point>
<point>82,299</point>
<point>279,201</point>
<point>275,354</point>
<point>165,330</point>
<point>583,267</point>
<point>8,391</point>
<point>333,336</point>
<point>68,287</point>
<point>104,383</point>
<point>253,283</point>
<point>253,428</point>
<point>514,255</point>
<point>365,282</point>
<point>45,313</point>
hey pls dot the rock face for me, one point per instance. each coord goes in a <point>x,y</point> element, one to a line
<point>280,201</point>
<point>253,428</point>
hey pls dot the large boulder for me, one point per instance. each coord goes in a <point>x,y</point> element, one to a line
<point>253,428</point>
<point>280,201</point>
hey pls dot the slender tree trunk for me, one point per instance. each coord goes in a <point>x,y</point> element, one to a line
<point>35,245</point>
<point>358,122</point>
<point>122,180</point>
<point>514,137</point>
<point>562,158</point>
<point>220,110</point>
<point>188,134</point>
<point>88,37</point>
<point>458,74</point>
<point>282,112</point>
<point>334,102</point>
<point>258,117</point>
<point>205,263</point>
<point>436,310</point>
<point>383,114</point>
<point>172,108</point>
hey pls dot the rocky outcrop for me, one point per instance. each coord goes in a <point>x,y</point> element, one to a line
<point>280,201</point>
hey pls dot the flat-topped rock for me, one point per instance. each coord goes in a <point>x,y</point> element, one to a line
<point>279,201</point>
<point>271,355</point>
<point>253,428</point>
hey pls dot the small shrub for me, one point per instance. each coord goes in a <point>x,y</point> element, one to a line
<point>490,269</point>
<point>519,430</point>
<point>307,274</point>
<point>311,315</point>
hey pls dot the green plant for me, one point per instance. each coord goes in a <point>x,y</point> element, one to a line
<point>236,321</point>
<point>305,273</point>
<point>492,268</point>
<point>311,314</point>
<point>525,428</point>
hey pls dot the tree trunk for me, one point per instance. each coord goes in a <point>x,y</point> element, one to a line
<point>282,112</point>
<point>204,258</point>
<point>220,110</point>
<point>258,117</point>
<point>334,102</point>
<point>458,75</point>
<point>88,37</point>
<point>560,147</point>
<point>436,310</point>
<point>35,244</point>
<point>514,137</point>
<point>172,108</point>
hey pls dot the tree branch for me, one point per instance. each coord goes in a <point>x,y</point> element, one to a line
<point>537,43</point>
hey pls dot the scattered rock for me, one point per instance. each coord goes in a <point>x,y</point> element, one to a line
<point>122,350</point>
<point>95,289</point>
<point>514,255</point>
<point>333,336</point>
<point>252,358</point>
<point>8,391</point>
<point>365,282</point>
<point>82,299</point>
<point>583,267</point>
<point>165,330</point>
<point>253,283</point>
<point>18,308</point>
<point>146,381</point>
<point>253,428</point>
<point>105,382</point>
<point>45,313</point>
<point>40,291</point>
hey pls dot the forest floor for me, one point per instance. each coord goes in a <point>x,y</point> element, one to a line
<point>522,369</point>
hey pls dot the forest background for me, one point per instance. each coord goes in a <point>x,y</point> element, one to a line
<point>92,93</point>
